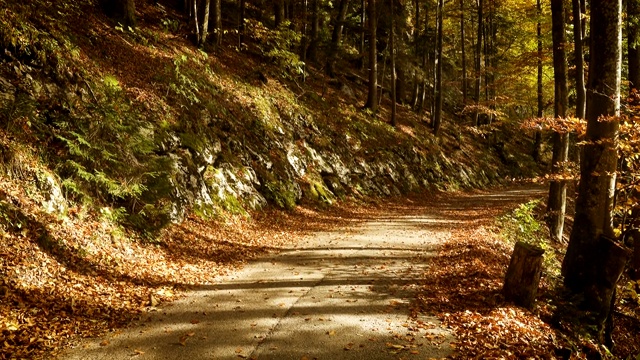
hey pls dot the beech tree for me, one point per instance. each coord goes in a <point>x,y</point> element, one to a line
<point>594,260</point>
<point>372,98</point>
<point>121,10</point>
<point>579,57</point>
<point>478,58</point>
<point>437,114</point>
<point>537,145</point>
<point>392,50</point>
<point>217,23</point>
<point>336,35</point>
<point>556,204</point>
<point>633,43</point>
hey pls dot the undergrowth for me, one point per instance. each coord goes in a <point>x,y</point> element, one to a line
<point>525,224</point>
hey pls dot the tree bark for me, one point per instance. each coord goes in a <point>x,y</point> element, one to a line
<point>363,32</point>
<point>478,59</point>
<point>392,50</point>
<point>633,43</point>
<point>537,145</point>
<point>217,23</point>
<point>372,98</point>
<point>463,55</point>
<point>121,10</point>
<point>196,21</point>
<point>129,13</point>
<point>523,275</point>
<point>278,11</point>
<point>336,35</point>
<point>304,41</point>
<point>556,204</point>
<point>437,114</point>
<point>312,51</point>
<point>579,59</point>
<point>583,262</point>
<point>241,26</point>
<point>634,235</point>
<point>204,29</point>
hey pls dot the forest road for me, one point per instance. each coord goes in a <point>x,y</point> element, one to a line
<point>343,294</point>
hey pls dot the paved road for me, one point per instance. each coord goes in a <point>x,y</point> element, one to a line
<point>337,295</point>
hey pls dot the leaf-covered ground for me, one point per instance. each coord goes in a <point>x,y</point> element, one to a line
<point>464,288</point>
<point>79,276</point>
<point>63,278</point>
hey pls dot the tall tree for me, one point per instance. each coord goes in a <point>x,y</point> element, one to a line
<point>305,40</point>
<point>478,56</point>
<point>363,32</point>
<point>579,58</point>
<point>314,38</point>
<point>241,25</point>
<point>372,98</point>
<point>591,264</point>
<point>463,54</point>
<point>278,11</point>
<point>392,50</point>
<point>537,145</point>
<point>121,10</point>
<point>204,29</point>
<point>558,188</point>
<point>633,43</point>
<point>437,114</point>
<point>217,23</point>
<point>336,35</point>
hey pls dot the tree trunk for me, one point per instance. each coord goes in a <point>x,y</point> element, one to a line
<point>633,238</point>
<point>401,79</point>
<point>579,58</point>
<point>478,58</point>
<point>415,89</point>
<point>437,116</point>
<point>372,99</point>
<point>336,36</point>
<point>217,23</point>
<point>558,189</point>
<point>426,56</point>
<point>363,32</point>
<point>523,275</point>
<point>611,259</point>
<point>491,58</point>
<point>392,50</point>
<point>129,13</point>
<point>123,11</point>
<point>204,29</point>
<point>537,145</point>
<point>278,12</point>
<point>241,26</point>
<point>304,40</point>
<point>196,21</point>
<point>463,55</point>
<point>583,262</point>
<point>633,43</point>
<point>636,258</point>
<point>312,51</point>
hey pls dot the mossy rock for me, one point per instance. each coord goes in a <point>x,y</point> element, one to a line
<point>318,192</point>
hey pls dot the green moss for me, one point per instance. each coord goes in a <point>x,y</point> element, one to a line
<point>282,195</point>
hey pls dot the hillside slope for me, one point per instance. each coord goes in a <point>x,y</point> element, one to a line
<point>110,135</point>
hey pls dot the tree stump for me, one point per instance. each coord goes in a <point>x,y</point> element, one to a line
<point>523,275</point>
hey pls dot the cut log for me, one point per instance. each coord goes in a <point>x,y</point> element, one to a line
<point>523,275</point>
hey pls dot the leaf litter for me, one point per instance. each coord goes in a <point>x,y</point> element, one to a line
<point>79,276</point>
